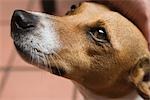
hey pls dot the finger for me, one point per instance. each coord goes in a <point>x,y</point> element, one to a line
<point>149,39</point>
<point>148,34</point>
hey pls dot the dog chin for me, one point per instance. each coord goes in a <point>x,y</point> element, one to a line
<point>31,55</point>
<point>39,59</point>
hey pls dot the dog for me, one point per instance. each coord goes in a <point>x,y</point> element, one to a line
<point>103,53</point>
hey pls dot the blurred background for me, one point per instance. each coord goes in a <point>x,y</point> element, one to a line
<point>19,80</point>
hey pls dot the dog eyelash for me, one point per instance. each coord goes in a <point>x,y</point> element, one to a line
<point>98,34</point>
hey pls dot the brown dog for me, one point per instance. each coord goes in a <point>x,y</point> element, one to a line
<point>102,52</point>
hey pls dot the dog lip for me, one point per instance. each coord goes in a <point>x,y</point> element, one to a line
<point>58,70</point>
<point>21,50</point>
<point>17,47</point>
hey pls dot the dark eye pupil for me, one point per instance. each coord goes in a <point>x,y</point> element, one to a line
<point>73,7</point>
<point>101,31</point>
<point>99,34</point>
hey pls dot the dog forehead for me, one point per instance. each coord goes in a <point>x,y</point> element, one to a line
<point>89,9</point>
<point>123,34</point>
<point>89,12</point>
<point>92,7</point>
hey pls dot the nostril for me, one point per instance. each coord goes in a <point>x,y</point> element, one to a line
<point>23,20</point>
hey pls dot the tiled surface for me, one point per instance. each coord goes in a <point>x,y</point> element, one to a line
<point>6,10</point>
<point>36,85</point>
<point>19,80</point>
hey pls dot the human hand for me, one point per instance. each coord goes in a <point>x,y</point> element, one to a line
<point>138,11</point>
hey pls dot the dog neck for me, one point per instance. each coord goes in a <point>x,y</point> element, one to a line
<point>88,95</point>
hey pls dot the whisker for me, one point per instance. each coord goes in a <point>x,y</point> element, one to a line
<point>32,55</point>
<point>48,63</point>
<point>56,65</point>
<point>60,58</point>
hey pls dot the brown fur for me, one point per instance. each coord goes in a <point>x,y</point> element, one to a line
<point>103,69</point>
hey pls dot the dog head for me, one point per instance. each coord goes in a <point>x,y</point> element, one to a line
<point>92,45</point>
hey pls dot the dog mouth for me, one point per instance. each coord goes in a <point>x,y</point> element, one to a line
<point>33,43</point>
<point>58,70</point>
<point>52,68</point>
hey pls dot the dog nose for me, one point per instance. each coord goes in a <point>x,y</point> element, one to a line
<point>23,20</point>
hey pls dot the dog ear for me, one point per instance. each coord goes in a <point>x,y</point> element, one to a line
<point>140,77</point>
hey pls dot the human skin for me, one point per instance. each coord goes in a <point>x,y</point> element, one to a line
<point>138,11</point>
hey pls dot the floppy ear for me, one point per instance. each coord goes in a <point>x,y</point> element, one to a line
<point>140,77</point>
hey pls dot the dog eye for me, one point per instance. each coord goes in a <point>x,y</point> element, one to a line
<point>73,7</point>
<point>99,34</point>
